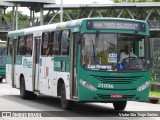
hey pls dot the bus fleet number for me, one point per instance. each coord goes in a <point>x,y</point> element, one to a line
<point>101,85</point>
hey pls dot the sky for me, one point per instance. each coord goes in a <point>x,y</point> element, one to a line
<point>26,10</point>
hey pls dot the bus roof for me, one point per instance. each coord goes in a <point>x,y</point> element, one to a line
<point>15,33</point>
<point>68,24</point>
<point>48,27</point>
<point>1,41</point>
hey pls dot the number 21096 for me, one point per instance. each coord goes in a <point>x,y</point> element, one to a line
<point>102,85</point>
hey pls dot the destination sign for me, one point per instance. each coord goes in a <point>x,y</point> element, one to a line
<point>115,24</point>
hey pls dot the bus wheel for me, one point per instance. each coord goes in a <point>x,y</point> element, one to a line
<point>121,105</point>
<point>66,104</point>
<point>1,79</point>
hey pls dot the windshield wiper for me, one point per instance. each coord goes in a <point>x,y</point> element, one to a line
<point>97,37</point>
<point>95,46</point>
<point>94,54</point>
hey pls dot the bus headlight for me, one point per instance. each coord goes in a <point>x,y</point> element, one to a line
<point>88,85</point>
<point>142,87</point>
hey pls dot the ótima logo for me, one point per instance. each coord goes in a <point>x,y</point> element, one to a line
<point>27,64</point>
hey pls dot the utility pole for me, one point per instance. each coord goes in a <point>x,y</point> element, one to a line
<point>16,16</point>
<point>61,13</point>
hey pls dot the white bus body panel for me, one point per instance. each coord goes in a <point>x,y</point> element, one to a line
<point>46,75</point>
<point>27,72</point>
<point>48,78</point>
<point>9,74</point>
<point>18,70</point>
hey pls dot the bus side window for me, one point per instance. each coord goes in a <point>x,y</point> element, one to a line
<point>45,50</point>
<point>29,44</point>
<point>0,52</point>
<point>65,42</point>
<point>51,43</point>
<point>56,44</point>
<point>21,46</point>
<point>9,50</point>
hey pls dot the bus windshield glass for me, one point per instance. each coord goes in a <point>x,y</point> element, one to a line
<point>114,52</point>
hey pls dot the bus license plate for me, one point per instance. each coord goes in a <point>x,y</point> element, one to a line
<point>116,96</point>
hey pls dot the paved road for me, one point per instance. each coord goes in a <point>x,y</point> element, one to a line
<point>49,106</point>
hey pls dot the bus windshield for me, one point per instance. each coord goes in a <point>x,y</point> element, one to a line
<point>114,52</point>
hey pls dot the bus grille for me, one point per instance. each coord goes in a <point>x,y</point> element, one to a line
<point>101,96</point>
<point>117,80</point>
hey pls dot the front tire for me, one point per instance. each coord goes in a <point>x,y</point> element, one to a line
<point>66,104</point>
<point>1,79</point>
<point>121,105</point>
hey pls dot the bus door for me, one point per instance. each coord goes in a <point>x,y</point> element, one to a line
<point>14,48</point>
<point>74,64</point>
<point>36,56</point>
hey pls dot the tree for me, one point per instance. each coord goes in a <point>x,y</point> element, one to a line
<point>23,20</point>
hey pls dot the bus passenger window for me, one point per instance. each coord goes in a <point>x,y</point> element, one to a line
<point>9,51</point>
<point>21,46</point>
<point>45,49</point>
<point>2,49</point>
<point>29,44</point>
<point>56,45</point>
<point>65,42</point>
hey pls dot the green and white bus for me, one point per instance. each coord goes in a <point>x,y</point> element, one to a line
<point>2,59</point>
<point>78,61</point>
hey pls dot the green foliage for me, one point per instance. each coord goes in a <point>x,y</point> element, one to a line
<point>153,93</point>
<point>21,17</point>
<point>23,20</point>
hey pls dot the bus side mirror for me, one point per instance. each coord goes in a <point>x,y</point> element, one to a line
<point>78,38</point>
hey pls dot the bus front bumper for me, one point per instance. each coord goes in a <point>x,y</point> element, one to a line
<point>102,95</point>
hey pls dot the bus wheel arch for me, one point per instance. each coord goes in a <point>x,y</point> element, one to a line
<point>25,94</point>
<point>21,76</point>
<point>59,85</point>
<point>65,104</point>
